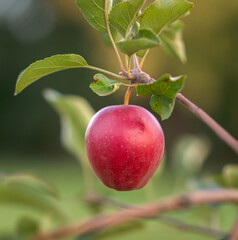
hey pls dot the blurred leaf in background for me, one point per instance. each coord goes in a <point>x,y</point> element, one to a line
<point>228,177</point>
<point>75,114</point>
<point>188,157</point>
<point>28,190</point>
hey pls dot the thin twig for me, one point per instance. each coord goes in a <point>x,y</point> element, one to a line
<point>143,59</point>
<point>143,211</point>
<point>127,95</point>
<point>129,67</point>
<point>112,40</point>
<point>234,233</point>
<point>175,223</point>
<point>220,132</point>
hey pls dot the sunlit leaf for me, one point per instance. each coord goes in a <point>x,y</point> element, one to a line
<point>47,66</point>
<point>163,93</point>
<point>171,40</point>
<point>163,12</point>
<point>124,14</point>
<point>104,86</point>
<point>94,12</point>
<point>134,30</point>
<point>143,40</point>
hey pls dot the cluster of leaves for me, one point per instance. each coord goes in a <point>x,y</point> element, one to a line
<point>140,27</point>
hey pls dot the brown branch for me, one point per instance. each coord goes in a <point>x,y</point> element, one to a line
<point>172,222</point>
<point>234,233</point>
<point>220,132</point>
<point>143,211</point>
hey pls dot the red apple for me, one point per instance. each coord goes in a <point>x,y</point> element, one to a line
<point>125,145</point>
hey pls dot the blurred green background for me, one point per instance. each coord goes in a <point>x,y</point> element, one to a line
<point>30,129</point>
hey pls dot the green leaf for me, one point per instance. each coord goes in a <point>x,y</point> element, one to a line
<point>94,12</point>
<point>163,12</point>
<point>32,181</point>
<point>124,14</point>
<point>143,40</point>
<point>75,114</point>
<point>141,53</point>
<point>104,86</point>
<point>163,93</point>
<point>171,40</point>
<point>47,66</point>
<point>230,175</point>
<point>106,38</point>
<point>134,30</point>
<point>29,197</point>
<point>27,226</point>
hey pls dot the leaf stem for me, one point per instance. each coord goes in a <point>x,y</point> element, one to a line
<point>129,67</point>
<point>112,40</point>
<point>128,94</point>
<point>143,59</point>
<point>136,63</point>
<point>220,132</point>
<point>107,72</point>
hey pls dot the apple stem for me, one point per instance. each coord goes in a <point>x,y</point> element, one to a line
<point>143,78</point>
<point>127,95</point>
<point>220,131</point>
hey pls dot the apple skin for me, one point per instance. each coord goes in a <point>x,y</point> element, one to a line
<point>125,145</point>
